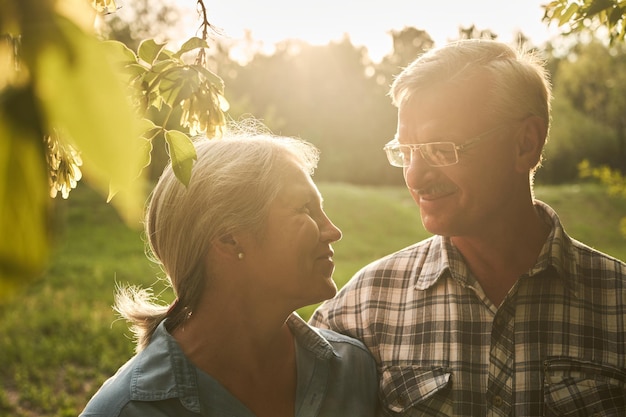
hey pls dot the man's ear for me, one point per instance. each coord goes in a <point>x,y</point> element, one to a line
<point>530,140</point>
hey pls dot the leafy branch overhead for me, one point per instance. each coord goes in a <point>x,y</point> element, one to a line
<point>161,77</point>
<point>588,14</point>
<point>76,108</point>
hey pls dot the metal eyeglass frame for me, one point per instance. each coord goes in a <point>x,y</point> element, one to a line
<point>395,146</point>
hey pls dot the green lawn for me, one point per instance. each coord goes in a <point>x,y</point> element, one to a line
<point>60,338</point>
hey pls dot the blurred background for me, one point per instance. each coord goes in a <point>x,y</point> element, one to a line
<point>319,71</point>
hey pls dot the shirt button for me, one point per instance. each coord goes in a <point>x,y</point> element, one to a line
<point>497,401</point>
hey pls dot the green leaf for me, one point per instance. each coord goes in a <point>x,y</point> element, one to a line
<point>166,54</point>
<point>182,153</point>
<point>157,70</point>
<point>190,45</point>
<point>149,50</point>
<point>82,94</point>
<point>557,11</point>
<point>565,17</point>
<point>118,52</point>
<point>150,134</point>
<point>213,78</point>
<point>135,70</point>
<point>153,78</point>
<point>161,66</point>
<point>24,205</point>
<point>177,84</point>
<point>147,125</point>
<point>597,6</point>
<point>169,89</point>
<point>614,16</point>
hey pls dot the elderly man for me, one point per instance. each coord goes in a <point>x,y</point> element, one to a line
<point>500,313</point>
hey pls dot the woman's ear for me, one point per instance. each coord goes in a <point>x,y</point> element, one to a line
<point>531,139</point>
<point>227,245</point>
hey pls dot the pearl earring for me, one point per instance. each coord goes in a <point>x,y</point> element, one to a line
<point>240,255</point>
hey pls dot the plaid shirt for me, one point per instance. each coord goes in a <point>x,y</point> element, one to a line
<point>556,345</point>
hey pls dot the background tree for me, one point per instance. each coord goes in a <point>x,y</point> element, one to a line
<point>574,136</point>
<point>325,95</point>
<point>139,20</point>
<point>472,32</point>
<point>576,16</point>
<point>408,44</point>
<point>590,16</point>
<point>593,78</point>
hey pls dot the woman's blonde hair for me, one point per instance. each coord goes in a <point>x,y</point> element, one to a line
<point>233,182</point>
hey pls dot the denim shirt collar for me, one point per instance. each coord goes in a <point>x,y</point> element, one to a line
<point>309,338</point>
<point>162,371</point>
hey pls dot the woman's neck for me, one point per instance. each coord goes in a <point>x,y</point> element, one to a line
<point>250,353</point>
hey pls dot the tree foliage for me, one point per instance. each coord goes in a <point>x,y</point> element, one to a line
<point>73,106</point>
<point>325,95</point>
<point>408,44</point>
<point>581,15</point>
<point>574,137</point>
<point>600,92</point>
<point>593,78</point>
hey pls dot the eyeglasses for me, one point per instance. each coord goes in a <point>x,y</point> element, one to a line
<point>436,154</point>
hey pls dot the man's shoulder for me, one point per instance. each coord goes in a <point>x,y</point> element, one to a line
<point>576,259</point>
<point>595,277</point>
<point>591,261</point>
<point>412,252</point>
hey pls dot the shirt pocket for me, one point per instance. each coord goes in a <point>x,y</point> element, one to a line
<point>408,387</point>
<point>580,388</point>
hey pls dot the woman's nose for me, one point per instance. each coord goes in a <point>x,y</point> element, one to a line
<point>330,232</point>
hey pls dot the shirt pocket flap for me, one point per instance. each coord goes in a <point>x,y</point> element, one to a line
<point>573,387</point>
<point>405,386</point>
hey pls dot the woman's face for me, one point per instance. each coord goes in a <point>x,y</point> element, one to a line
<point>292,260</point>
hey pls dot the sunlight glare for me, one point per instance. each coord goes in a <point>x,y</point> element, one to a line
<point>369,23</point>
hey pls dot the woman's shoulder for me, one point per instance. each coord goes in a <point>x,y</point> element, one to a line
<point>113,395</point>
<point>339,340</point>
<point>328,342</point>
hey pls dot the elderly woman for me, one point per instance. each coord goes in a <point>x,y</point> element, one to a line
<point>244,245</point>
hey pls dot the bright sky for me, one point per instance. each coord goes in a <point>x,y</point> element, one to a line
<point>368,22</point>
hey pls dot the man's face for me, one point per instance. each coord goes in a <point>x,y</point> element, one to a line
<point>475,194</point>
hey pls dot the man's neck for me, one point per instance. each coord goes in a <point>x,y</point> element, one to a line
<point>501,253</point>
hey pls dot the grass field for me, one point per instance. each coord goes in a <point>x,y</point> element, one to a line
<point>60,339</point>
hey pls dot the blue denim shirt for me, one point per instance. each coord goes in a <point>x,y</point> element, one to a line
<point>336,377</point>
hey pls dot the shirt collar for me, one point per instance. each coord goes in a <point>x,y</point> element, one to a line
<point>434,264</point>
<point>310,338</point>
<point>163,372</point>
<point>557,252</point>
<point>443,258</point>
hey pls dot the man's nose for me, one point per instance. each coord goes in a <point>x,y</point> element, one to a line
<point>414,172</point>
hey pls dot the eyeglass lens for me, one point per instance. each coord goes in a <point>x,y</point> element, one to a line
<point>439,154</point>
<point>435,154</point>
